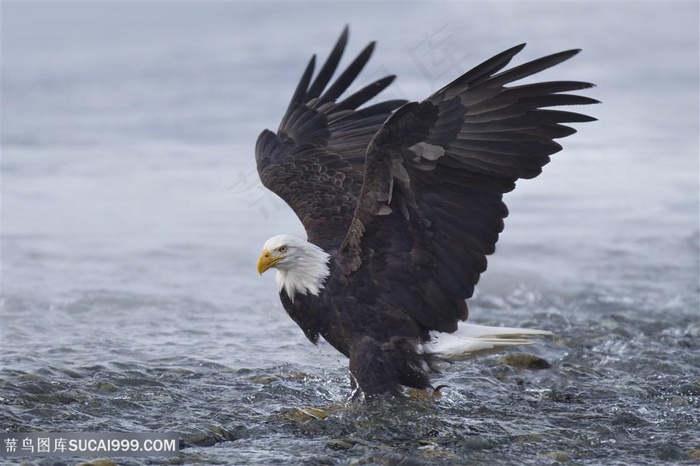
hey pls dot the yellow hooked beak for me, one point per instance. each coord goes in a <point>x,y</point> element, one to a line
<point>266,260</point>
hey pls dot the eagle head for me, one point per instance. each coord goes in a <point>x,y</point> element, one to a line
<point>281,252</point>
<point>301,266</point>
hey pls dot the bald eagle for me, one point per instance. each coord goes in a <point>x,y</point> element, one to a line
<point>402,202</point>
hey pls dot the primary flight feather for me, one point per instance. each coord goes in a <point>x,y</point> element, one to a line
<point>401,203</point>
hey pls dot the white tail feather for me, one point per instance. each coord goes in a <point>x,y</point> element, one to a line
<point>471,340</point>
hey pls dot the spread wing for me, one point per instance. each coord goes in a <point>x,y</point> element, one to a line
<point>315,161</point>
<point>431,206</point>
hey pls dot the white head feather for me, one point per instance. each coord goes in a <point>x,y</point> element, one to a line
<point>302,267</point>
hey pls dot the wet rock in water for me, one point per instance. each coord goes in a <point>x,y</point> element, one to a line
<point>418,394</point>
<point>524,361</point>
<point>72,396</point>
<point>72,373</point>
<point>211,435</point>
<point>99,462</point>
<point>566,395</point>
<point>678,401</point>
<point>301,414</point>
<point>690,389</point>
<point>263,379</point>
<point>671,452</point>
<point>266,379</point>
<point>176,460</point>
<point>297,375</point>
<point>434,451</point>
<point>426,395</point>
<point>322,461</point>
<point>557,455</point>
<point>105,387</point>
<point>693,453</point>
<point>200,439</point>
<point>315,413</point>
<point>61,397</point>
<point>475,443</point>
<point>38,387</point>
<point>340,444</point>
<point>629,420</point>
<point>525,439</point>
<point>386,460</point>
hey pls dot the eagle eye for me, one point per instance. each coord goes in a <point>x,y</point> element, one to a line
<point>282,249</point>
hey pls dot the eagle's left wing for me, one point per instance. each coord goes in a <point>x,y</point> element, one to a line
<point>431,207</point>
<point>316,159</point>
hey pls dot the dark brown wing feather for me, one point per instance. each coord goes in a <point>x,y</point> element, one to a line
<point>431,206</point>
<point>316,160</point>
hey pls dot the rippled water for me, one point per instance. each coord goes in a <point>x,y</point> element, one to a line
<point>132,218</point>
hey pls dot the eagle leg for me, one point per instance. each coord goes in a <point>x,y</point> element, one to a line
<point>382,367</point>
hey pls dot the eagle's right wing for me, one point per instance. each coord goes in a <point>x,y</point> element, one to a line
<point>431,207</point>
